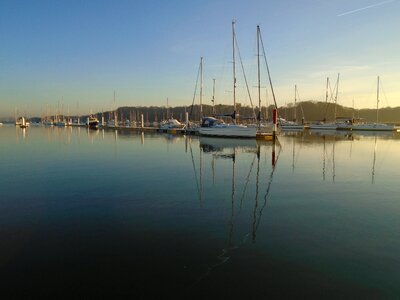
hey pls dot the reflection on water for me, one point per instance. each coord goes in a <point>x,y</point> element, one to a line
<point>120,212</point>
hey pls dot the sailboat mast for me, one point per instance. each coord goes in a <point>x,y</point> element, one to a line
<point>337,90</point>
<point>167,110</point>
<point>377,102</point>
<point>234,71</point>
<point>326,94</point>
<point>213,97</point>
<point>201,89</point>
<point>115,113</point>
<point>295,98</point>
<point>258,76</point>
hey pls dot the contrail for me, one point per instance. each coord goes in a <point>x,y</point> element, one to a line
<point>366,7</point>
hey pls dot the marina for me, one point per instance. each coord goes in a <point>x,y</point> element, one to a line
<point>173,149</point>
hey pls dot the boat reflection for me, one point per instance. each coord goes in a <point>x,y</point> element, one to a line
<point>248,196</point>
<point>334,153</point>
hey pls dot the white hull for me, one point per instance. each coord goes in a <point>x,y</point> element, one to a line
<point>171,124</point>
<point>375,127</point>
<point>292,127</point>
<point>24,123</point>
<point>323,126</point>
<point>229,131</point>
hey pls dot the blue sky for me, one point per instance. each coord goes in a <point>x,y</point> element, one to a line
<point>81,51</point>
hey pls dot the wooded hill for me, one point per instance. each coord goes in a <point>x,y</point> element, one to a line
<point>311,110</point>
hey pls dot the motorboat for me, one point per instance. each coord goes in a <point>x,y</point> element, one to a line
<point>211,126</point>
<point>92,122</point>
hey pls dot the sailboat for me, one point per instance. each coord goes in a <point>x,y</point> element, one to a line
<point>323,125</point>
<point>211,126</point>
<point>292,125</point>
<point>24,123</point>
<point>170,122</point>
<point>264,131</point>
<point>113,116</point>
<point>376,126</point>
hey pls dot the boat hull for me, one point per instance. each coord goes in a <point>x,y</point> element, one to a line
<point>323,126</point>
<point>93,125</point>
<point>374,127</point>
<point>229,131</point>
<point>292,127</point>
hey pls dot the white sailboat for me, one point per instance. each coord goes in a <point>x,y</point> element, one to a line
<point>323,125</point>
<point>24,123</point>
<point>211,126</point>
<point>264,131</point>
<point>170,122</point>
<point>376,126</point>
<point>292,125</point>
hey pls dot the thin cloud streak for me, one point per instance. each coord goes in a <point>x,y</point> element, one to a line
<point>364,8</point>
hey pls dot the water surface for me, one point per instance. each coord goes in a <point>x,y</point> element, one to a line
<point>138,214</point>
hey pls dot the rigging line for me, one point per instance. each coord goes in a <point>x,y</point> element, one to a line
<point>373,163</point>
<point>245,78</point>
<point>269,75</point>
<point>268,189</point>
<point>383,155</point>
<point>247,181</point>
<point>195,91</point>
<point>298,153</point>
<point>333,163</point>
<point>194,168</point>
<point>301,107</point>
<point>383,90</point>
<point>324,160</point>
<point>256,197</point>
<point>232,221</point>
<point>294,156</point>
<point>331,97</point>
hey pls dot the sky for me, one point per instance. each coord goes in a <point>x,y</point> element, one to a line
<point>75,54</point>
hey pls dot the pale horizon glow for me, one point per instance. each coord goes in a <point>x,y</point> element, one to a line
<point>76,54</point>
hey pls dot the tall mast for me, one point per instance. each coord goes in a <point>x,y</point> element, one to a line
<point>234,71</point>
<point>327,86</point>
<point>201,89</point>
<point>115,112</point>
<point>167,110</point>
<point>77,111</point>
<point>62,108</point>
<point>295,98</point>
<point>377,101</point>
<point>213,97</point>
<point>337,90</point>
<point>258,75</point>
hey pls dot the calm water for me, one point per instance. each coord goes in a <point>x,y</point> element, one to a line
<point>130,214</point>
